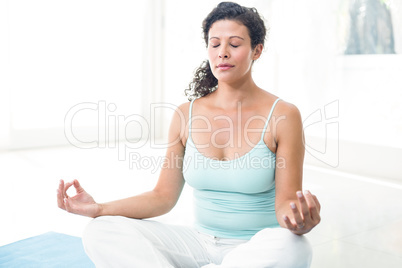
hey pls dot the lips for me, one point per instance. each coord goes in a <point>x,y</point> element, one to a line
<point>225,66</point>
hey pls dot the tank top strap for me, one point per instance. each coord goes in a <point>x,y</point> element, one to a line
<point>269,118</point>
<point>190,118</point>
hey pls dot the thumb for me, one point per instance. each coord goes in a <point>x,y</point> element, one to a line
<point>78,187</point>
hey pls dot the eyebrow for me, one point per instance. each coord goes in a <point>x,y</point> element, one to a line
<point>233,36</point>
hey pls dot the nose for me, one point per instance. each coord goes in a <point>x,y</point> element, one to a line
<point>223,53</point>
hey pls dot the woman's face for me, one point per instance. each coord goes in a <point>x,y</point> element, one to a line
<point>229,51</point>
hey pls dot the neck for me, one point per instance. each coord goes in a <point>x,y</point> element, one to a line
<point>228,95</point>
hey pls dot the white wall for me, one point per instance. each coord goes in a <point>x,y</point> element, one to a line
<point>57,54</point>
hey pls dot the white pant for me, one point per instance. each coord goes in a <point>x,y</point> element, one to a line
<point>114,241</point>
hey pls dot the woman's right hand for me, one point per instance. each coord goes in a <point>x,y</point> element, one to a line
<point>82,203</point>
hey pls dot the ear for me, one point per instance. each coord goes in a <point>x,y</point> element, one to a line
<point>257,51</point>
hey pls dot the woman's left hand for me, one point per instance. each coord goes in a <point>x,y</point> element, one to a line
<point>307,217</point>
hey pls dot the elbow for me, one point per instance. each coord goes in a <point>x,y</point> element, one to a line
<point>165,203</point>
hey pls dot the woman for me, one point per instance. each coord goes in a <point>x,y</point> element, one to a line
<point>243,153</point>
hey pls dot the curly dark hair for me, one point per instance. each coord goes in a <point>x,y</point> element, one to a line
<point>204,82</point>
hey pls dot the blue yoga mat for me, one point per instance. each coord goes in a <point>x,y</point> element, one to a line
<point>46,250</point>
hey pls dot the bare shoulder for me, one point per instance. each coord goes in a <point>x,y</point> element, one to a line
<point>177,130</point>
<point>184,106</point>
<point>182,111</point>
<point>282,108</point>
<point>287,110</point>
<point>288,120</point>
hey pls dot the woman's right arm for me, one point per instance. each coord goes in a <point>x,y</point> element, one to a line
<point>153,203</point>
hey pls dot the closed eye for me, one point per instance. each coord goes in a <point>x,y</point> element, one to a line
<point>219,45</point>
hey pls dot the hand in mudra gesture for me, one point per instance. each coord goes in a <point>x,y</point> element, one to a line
<point>303,220</point>
<point>81,203</point>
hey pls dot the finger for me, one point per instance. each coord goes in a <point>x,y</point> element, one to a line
<point>60,195</point>
<point>78,187</point>
<point>61,186</point>
<point>288,223</point>
<point>317,203</point>
<point>60,201</point>
<point>303,206</point>
<point>297,216</point>
<point>312,204</point>
<point>69,204</point>
<point>316,212</point>
<point>67,185</point>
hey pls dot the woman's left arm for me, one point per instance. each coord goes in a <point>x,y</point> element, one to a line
<point>295,210</point>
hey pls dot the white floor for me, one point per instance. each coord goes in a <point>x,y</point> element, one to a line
<point>361,217</point>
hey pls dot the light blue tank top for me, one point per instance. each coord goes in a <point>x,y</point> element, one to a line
<point>235,198</point>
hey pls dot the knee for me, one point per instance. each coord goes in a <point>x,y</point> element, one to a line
<point>105,231</point>
<point>101,231</point>
<point>94,232</point>
<point>294,250</point>
<point>299,249</point>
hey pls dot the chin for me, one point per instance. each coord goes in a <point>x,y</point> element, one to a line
<point>226,77</point>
